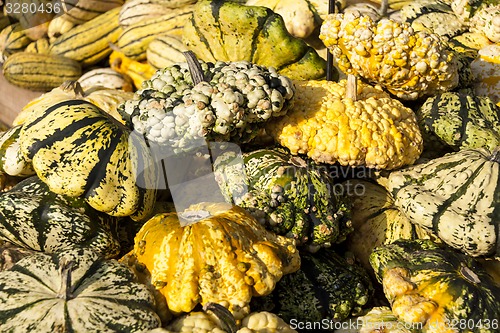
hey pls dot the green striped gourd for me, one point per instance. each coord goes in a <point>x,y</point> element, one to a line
<point>36,218</point>
<point>13,39</point>
<point>456,196</point>
<point>437,288</point>
<point>136,11</point>
<point>229,31</point>
<point>134,40</point>
<point>461,120</point>
<point>105,77</point>
<point>375,220</point>
<point>75,291</point>
<point>12,162</point>
<point>291,196</point>
<point>40,72</point>
<point>165,50</point>
<point>436,16</point>
<point>81,11</point>
<point>79,150</point>
<point>326,287</point>
<point>89,42</point>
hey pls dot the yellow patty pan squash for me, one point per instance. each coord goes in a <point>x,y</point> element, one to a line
<point>225,257</point>
<point>371,129</point>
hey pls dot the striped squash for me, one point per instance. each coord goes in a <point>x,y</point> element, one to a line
<point>89,43</point>
<point>106,77</point>
<point>136,11</point>
<point>66,223</point>
<point>134,40</point>
<point>74,292</point>
<point>33,15</point>
<point>461,120</point>
<point>13,39</point>
<point>81,11</point>
<point>12,162</point>
<point>375,220</point>
<point>39,46</point>
<point>40,72</point>
<point>229,31</point>
<point>456,196</point>
<point>436,288</point>
<point>165,50</point>
<point>79,150</point>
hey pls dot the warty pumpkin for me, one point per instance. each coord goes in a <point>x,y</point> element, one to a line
<point>228,31</point>
<point>455,196</point>
<point>291,196</point>
<point>213,252</point>
<point>182,105</point>
<point>79,150</point>
<point>74,291</point>
<point>33,217</point>
<point>350,124</point>
<point>442,290</point>
<point>407,63</point>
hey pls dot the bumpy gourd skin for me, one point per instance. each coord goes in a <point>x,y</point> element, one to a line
<point>226,257</point>
<point>487,21</point>
<point>408,64</point>
<point>289,195</point>
<point>376,130</point>
<point>230,105</point>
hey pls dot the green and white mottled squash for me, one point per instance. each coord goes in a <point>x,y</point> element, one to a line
<point>79,150</point>
<point>35,218</point>
<point>456,196</point>
<point>227,31</point>
<point>290,195</point>
<point>460,120</point>
<point>442,290</point>
<point>375,220</point>
<point>12,162</point>
<point>74,291</point>
<point>327,286</point>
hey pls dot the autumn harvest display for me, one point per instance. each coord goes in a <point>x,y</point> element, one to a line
<point>249,166</point>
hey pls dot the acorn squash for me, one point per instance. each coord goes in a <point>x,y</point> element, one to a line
<point>291,196</point>
<point>438,288</point>
<point>455,196</point>
<point>213,252</point>
<point>73,291</point>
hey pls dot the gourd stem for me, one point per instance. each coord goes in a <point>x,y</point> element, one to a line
<point>65,271</point>
<point>194,67</point>
<point>384,6</point>
<point>495,155</point>
<point>73,86</point>
<point>468,274</point>
<point>226,318</point>
<point>329,55</point>
<point>352,87</point>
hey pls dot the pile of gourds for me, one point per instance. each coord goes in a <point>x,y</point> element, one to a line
<point>190,169</point>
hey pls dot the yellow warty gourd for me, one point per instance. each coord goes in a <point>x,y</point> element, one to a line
<point>408,64</point>
<point>374,130</point>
